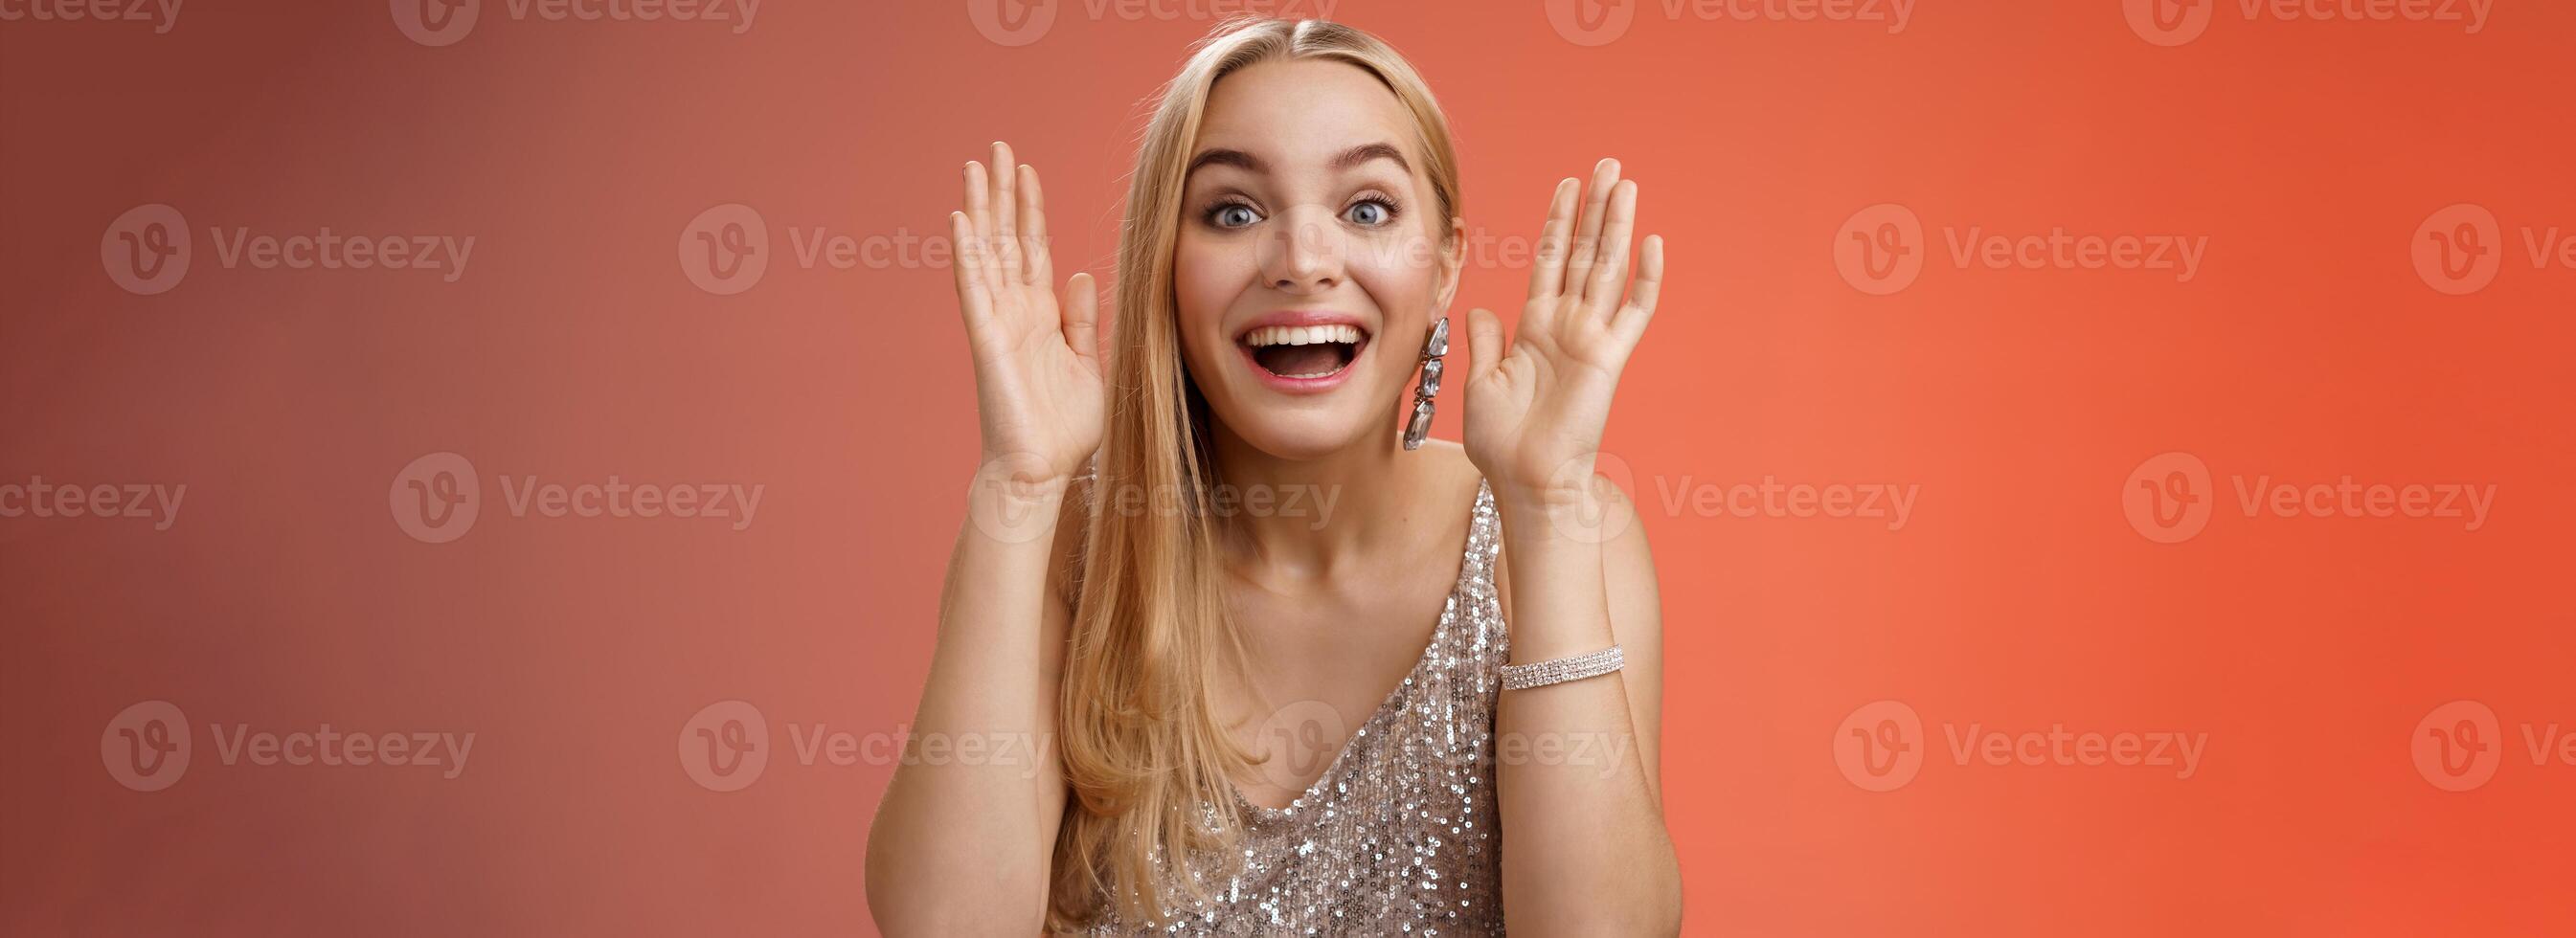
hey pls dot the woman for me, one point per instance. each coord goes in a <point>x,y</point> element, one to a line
<point>1265,719</point>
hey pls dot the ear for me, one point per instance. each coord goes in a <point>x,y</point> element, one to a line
<point>1453,264</point>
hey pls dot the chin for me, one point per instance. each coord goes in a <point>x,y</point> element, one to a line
<point>1299,436</point>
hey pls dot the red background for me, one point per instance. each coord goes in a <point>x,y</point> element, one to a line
<point>2016,597</point>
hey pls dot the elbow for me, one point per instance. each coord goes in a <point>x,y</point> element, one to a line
<point>906,898</point>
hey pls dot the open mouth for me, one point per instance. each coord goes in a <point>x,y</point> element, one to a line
<point>1304,352</point>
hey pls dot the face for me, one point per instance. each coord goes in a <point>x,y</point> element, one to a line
<point>1312,257</point>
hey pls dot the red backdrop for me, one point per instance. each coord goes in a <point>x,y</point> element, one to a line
<point>1915,491</point>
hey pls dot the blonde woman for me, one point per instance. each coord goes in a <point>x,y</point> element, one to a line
<point>1302,672</point>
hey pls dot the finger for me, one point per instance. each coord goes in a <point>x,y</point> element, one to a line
<point>1547,270</point>
<point>1006,220</point>
<point>1587,226</point>
<point>1630,323</point>
<point>1601,294</point>
<point>979,216</point>
<point>1038,268</point>
<point>1484,342</point>
<point>974,296</point>
<point>1082,316</point>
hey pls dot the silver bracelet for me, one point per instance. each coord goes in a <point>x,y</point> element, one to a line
<point>1560,670</point>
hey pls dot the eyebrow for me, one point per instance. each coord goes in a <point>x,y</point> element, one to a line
<point>1348,158</point>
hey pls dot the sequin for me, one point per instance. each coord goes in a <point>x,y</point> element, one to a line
<point>1399,836</point>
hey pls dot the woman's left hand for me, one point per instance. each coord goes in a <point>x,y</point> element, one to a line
<point>1535,414</point>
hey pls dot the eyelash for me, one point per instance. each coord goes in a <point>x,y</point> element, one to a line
<point>1393,208</point>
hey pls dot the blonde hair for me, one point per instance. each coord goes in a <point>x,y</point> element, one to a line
<point>1145,755</point>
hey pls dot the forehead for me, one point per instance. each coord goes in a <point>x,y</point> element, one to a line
<point>1303,112</point>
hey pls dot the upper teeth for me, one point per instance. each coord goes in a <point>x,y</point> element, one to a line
<point>1301,335</point>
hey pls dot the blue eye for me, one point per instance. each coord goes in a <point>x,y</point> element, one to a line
<point>1370,213</point>
<point>1233,215</point>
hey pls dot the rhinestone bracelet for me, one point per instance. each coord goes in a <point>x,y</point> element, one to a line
<point>1560,670</point>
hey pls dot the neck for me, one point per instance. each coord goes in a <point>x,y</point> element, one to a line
<point>1310,516</point>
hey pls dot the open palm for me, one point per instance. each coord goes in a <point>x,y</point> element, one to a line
<point>1037,371</point>
<point>1535,413</point>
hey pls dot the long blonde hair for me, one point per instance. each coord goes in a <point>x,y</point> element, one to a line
<point>1148,761</point>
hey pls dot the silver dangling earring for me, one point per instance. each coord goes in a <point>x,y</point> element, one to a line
<point>1438,345</point>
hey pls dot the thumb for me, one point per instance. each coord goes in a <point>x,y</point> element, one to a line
<point>1484,342</point>
<point>1082,316</point>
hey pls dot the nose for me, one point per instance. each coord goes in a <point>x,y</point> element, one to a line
<point>1303,255</point>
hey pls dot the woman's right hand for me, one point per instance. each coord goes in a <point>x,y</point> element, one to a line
<point>1037,371</point>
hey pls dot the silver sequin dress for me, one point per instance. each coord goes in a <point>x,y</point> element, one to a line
<point>1401,835</point>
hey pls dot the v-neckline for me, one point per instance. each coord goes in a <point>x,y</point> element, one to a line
<point>1386,709</point>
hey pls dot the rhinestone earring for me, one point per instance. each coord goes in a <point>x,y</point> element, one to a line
<point>1438,345</point>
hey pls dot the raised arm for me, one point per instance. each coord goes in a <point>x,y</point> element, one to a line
<point>963,845</point>
<point>1585,850</point>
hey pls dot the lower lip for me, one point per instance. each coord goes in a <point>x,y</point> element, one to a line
<point>1287,385</point>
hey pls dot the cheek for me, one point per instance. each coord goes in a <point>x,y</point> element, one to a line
<point>1207,279</point>
<point>1404,279</point>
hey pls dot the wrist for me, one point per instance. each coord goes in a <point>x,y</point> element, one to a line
<point>1016,499</point>
<point>1549,516</point>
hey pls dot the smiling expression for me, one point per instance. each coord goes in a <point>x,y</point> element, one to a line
<point>1311,257</point>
